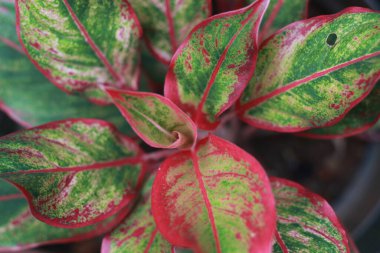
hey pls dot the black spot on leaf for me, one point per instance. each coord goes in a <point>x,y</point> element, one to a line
<point>331,39</point>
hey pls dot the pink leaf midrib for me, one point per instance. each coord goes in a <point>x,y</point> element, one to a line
<point>11,197</point>
<point>206,200</point>
<point>79,168</point>
<point>218,66</point>
<point>271,18</point>
<point>12,44</point>
<point>169,17</point>
<point>299,82</point>
<point>92,44</point>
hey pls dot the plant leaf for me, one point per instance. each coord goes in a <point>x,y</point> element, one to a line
<point>305,221</point>
<point>310,74</point>
<point>214,199</point>
<point>281,13</point>
<point>138,232</point>
<point>19,230</point>
<point>80,45</point>
<point>75,172</point>
<point>157,120</point>
<point>214,64</point>
<point>27,96</point>
<point>166,23</point>
<point>360,119</point>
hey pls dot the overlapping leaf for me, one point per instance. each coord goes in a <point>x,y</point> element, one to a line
<point>361,118</point>
<point>19,230</point>
<point>166,23</point>
<point>82,45</point>
<point>214,64</point>
<point>216,198</point>
<point>305,222</point>
<point>157,120</point>
<point>138,233</point>
<point>27,96</point>
<point>74,172</point>
<point>281,13</point>
<point>312,72</point>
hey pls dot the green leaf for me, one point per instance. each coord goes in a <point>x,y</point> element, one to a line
<point>27,96</point>
<point>82,45</point>
<point>19,230</point>
<point>216,198</point>
<point>281,13</point>
<point>313,72</point>
<point>138,232</point>
<point>157,120</point>
<point>305,221</point>
<point>360,119</point>
<point>214,64</point>
<point>166,23</point>
<point>75,172</point>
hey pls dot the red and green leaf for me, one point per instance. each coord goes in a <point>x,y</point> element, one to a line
<point>214,64</point>
<point>75,172</point>
<point>27,96</point>
<point>360,119</point>
<point>138,232</point>
<point>281,13</point>
<point>313,72</point>
<point>19,230</point>
<point>305,221</point>
<point>157,120</point>
<point>216,198</point>
<point>82,46</point>
<point>166,23</point>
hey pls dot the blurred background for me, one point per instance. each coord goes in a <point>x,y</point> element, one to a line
<point>346,171</point>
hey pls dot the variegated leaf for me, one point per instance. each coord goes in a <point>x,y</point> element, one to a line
<point>138,232</point>
<point>360,119</point>
<point>312,72</point>
<point>214,64</point>
<point>216,198</point>
<point>82,45</point>
<point>281,13</point>
<point>27,96</point>
<point>75,172</point>
<point>157,120</point>
<point>19,230</point>
<point>305,221</point>
<point>166,23</point>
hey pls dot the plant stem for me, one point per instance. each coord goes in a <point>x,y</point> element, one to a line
<point>158,155</point>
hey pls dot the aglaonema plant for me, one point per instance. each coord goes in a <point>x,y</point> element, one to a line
<point>70,175</point>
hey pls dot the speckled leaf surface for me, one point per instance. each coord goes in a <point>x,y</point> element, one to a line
<point>27,96</point>
<point>82,45</point>
<point>360,119</point>
<point>305,221</point>
<point>281,13</point>
<point>216,198</point>
<point>312,72</point>
<point>75,172</point>
<point>138,232</point>
<point>214,64</point>
<point>19,230</point>
<point>166,23</point>
<point>157,120</point>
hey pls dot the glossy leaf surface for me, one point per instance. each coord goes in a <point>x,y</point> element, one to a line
<point>74,172</point>
<point>166,23</point>
<point>312,72</point>
<point>281,13</point>
<point>214,64</point>
<point>306,222</point>
<point>19,230</point>
<point>138,232</point>
<point>214,199</point>
<point>82,45</point>
<point>157,120</point>
<point>27,96</point>
<point>361,118</point>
